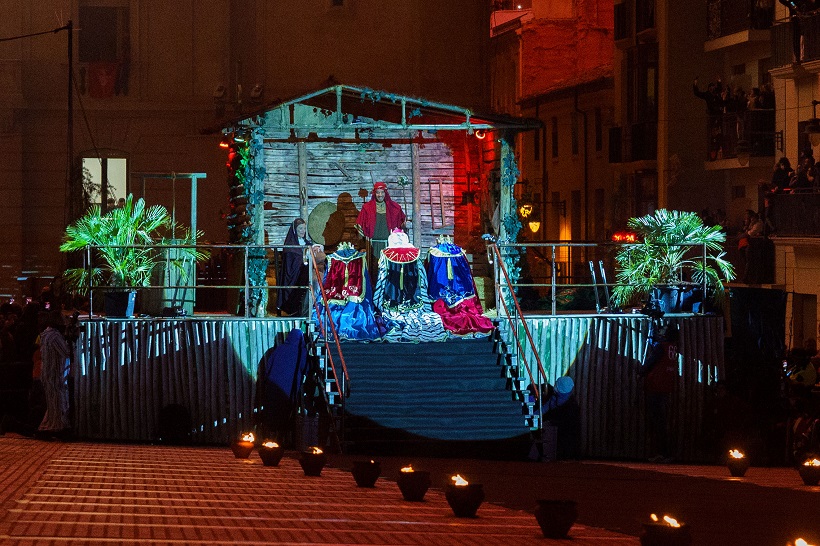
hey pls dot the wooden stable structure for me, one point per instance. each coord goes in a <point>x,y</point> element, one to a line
<point>323,151</point>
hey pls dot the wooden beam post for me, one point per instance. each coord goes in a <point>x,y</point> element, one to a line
<point>414,154</point>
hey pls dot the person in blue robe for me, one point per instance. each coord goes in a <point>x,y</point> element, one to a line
<point>349,295</point>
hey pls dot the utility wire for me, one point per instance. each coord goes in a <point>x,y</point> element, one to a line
<point>54,31</point>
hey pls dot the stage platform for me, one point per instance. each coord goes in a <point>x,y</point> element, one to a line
<point>127,370</point>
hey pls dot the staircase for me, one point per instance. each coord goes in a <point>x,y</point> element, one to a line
<point>459,397</point>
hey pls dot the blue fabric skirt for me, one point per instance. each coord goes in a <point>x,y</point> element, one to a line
<point>353,321</point>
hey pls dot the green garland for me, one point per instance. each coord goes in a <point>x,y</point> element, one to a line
<point>509,219</point>
<point>250,175</point>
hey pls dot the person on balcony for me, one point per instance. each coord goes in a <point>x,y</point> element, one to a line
<point>714,108</point>
<point>762,14</point>
<point>803,178</point>
<point>780,181</point>
<point>781,176</point>
<point>766,97</point>
<point>752,227</point>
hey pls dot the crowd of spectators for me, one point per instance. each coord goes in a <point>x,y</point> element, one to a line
<point>726,107</point>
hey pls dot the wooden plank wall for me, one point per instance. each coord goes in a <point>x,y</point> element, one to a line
<point>126,371</point>
<point>602,354</point>
<point>343,173</point>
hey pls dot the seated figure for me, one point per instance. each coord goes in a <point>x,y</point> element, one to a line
<point>346,286</point>
<point>452,289</point>
<point>401,294</point>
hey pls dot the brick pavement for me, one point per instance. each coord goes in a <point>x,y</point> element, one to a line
<point>82,493</point>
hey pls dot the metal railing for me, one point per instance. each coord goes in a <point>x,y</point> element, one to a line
<point>325,318</point>
<point>724,17</point>
<point>559,265</point>
<point>582,254</point>
<point>754,129</point>
<point>516,318</point>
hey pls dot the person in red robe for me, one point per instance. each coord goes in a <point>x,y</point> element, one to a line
<point>377,219</point>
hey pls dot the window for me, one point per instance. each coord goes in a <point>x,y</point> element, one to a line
<point>104,32</point>
<point>554,137</point>
<point>599,130</point>
<point>622,22</point>
<point>574,133</point>
<point>642,83</point>
<point>106,180</point>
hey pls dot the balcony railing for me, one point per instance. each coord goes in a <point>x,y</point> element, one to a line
<point>755,127</point>
<point>636,142</point>
<point>810,30</point>
<point>786,49</point>
<point>796,214</point>
<point>724,17</point>
<point>782,44</point>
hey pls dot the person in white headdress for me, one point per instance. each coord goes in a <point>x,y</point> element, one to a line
<point>401,294</point>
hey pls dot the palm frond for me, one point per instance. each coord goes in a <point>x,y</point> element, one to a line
<point>675,247</point>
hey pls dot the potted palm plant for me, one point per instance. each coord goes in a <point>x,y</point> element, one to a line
<point>122,255</point>
<point>674,251</point>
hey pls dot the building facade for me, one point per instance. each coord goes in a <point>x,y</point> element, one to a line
<point>153,82</point>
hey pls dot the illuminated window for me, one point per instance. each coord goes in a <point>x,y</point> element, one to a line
<point>106,180</point>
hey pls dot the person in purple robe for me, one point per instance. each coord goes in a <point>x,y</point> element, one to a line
<point>294,271</point>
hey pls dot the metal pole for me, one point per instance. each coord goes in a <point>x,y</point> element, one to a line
<point>703,296</point>
<point>553,288</point>
<point>70,123</point>
<point>247,285</point>
<point>90,281</point>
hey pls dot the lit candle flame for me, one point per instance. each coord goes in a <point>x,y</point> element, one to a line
<point>315,450</point>
<point>249,437</point>
<point>812,462</point>
<point>408,468</point>
<point>669,520</point>
<point>459,481</point>
<point>270,445</point>
<point>372,461</point>
<point>736,454</point>
<point>801,542</point>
